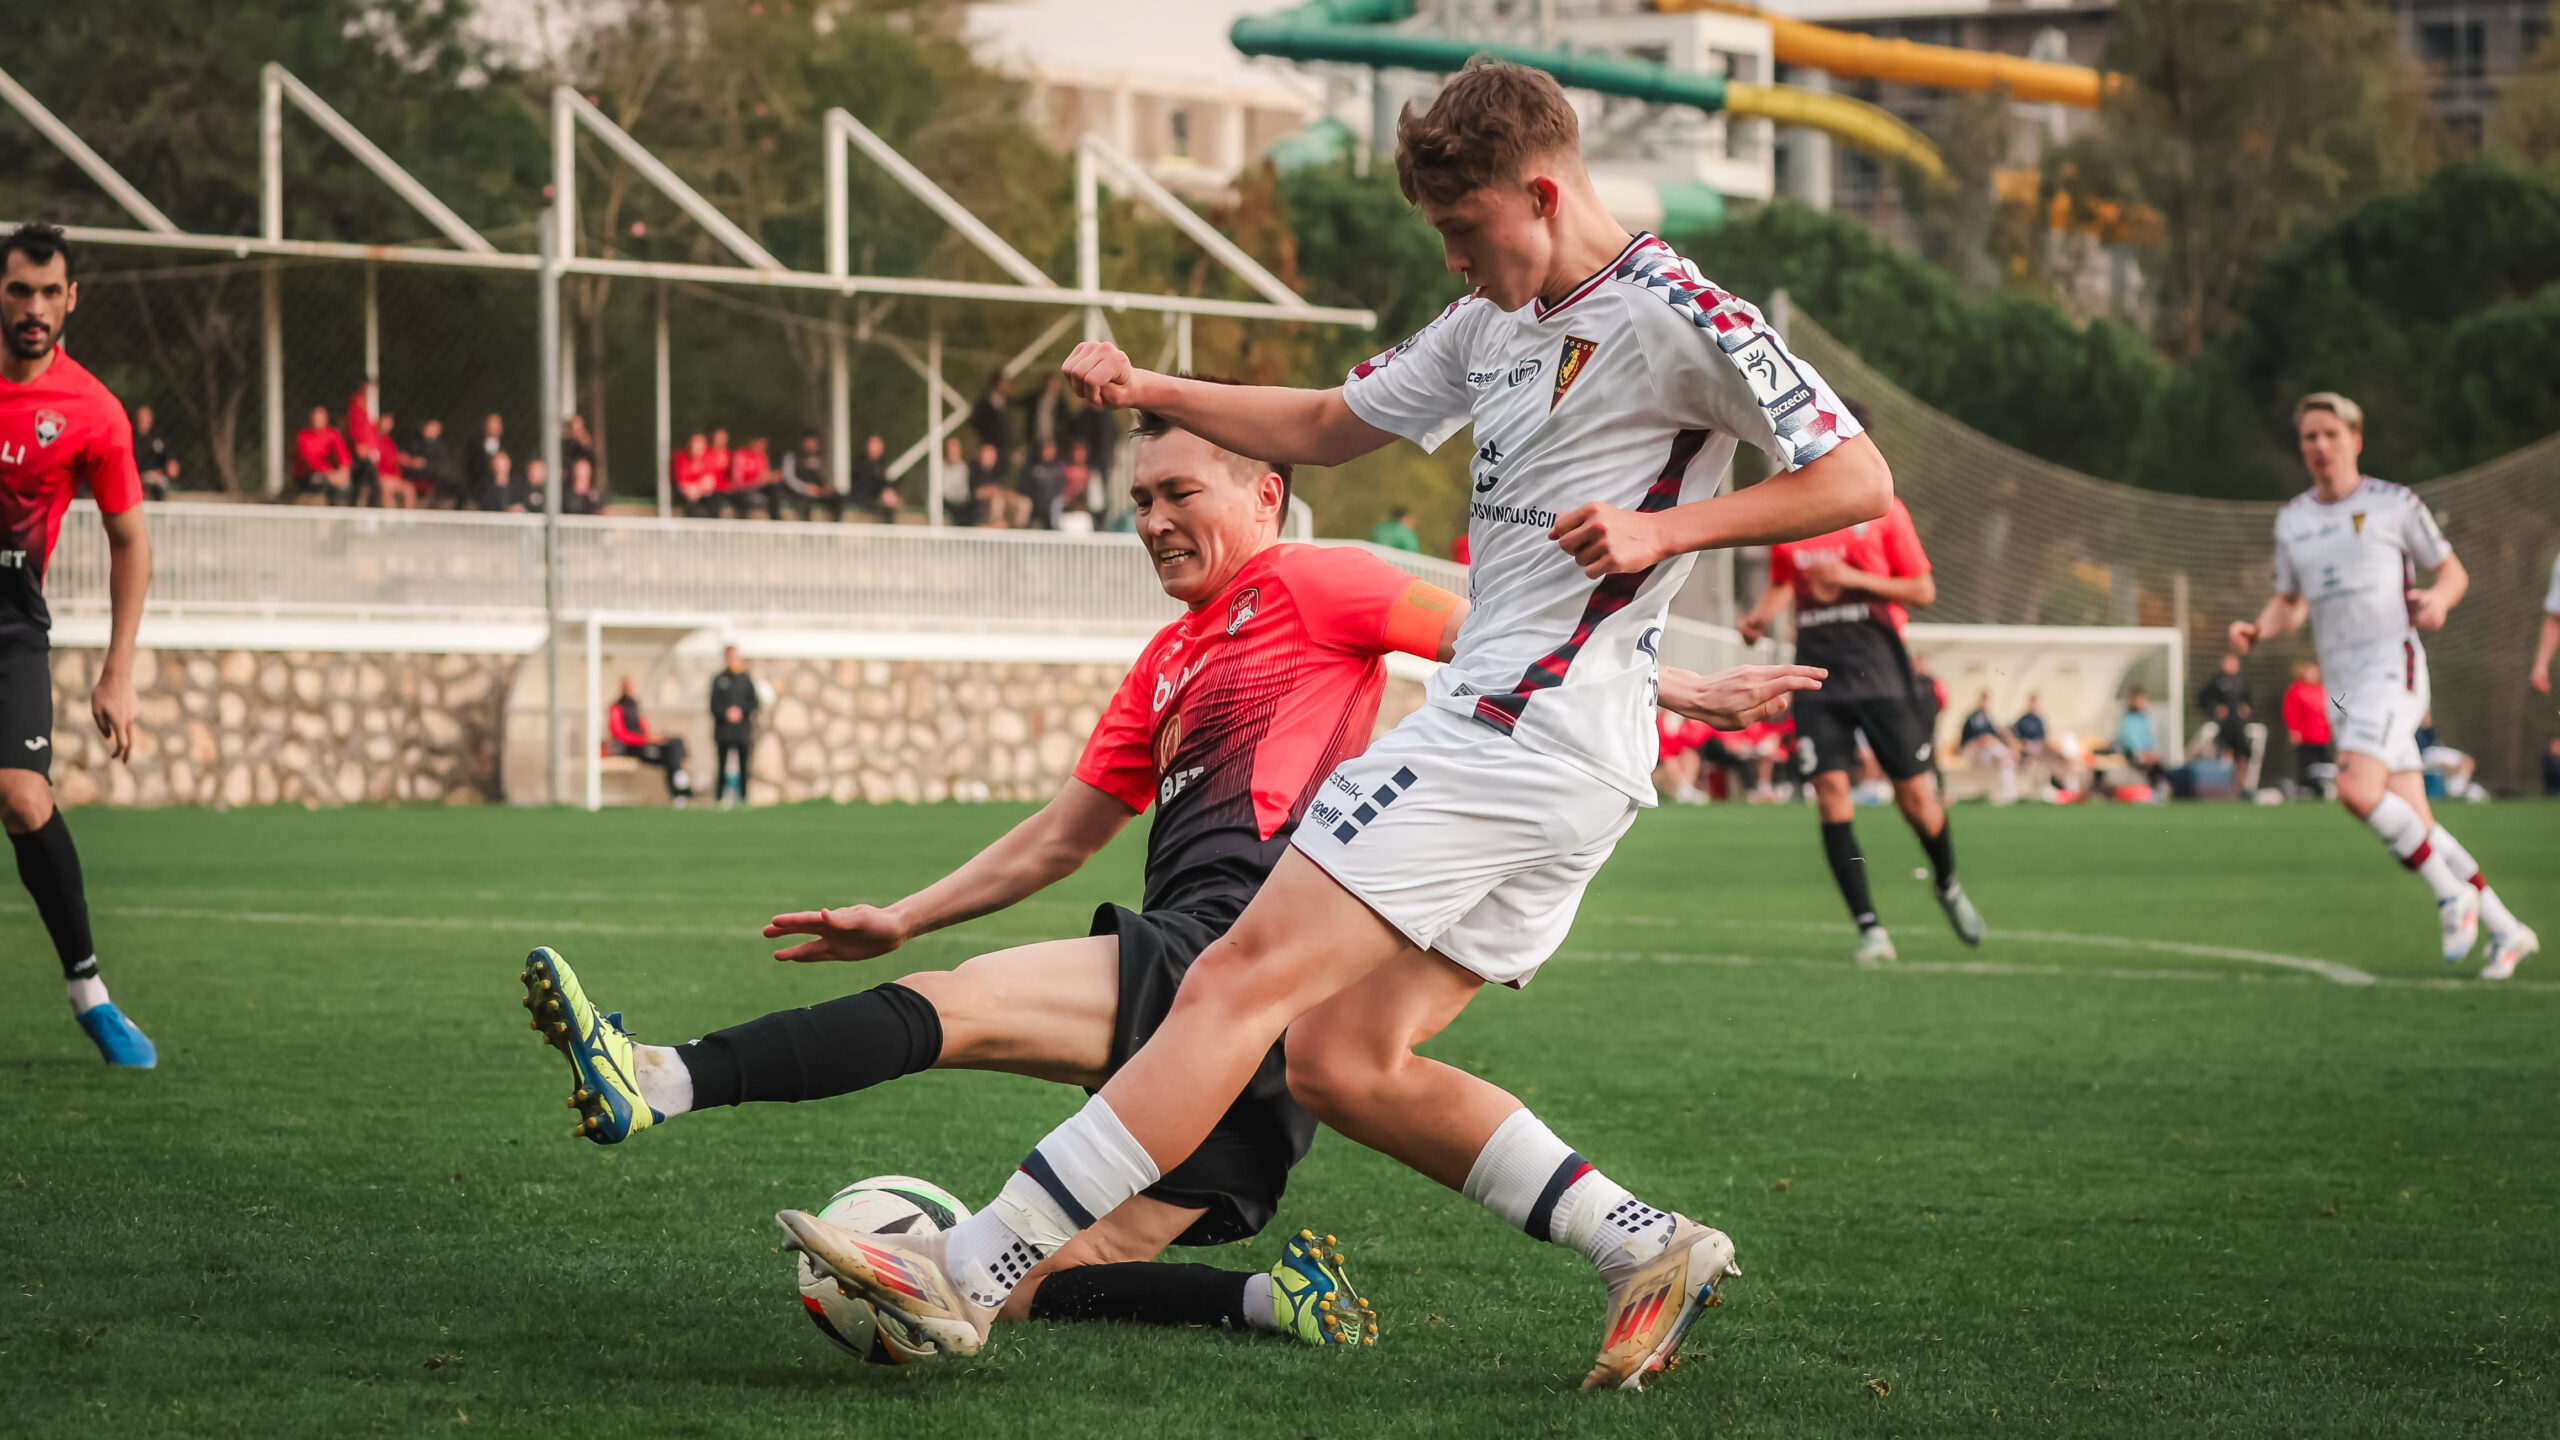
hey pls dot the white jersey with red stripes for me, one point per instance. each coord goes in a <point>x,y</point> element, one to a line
<point>2355,559</point>
<point>1632,390</point>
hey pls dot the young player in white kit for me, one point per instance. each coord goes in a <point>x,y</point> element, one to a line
<point>2347,555</point>
<point>1608,384</point>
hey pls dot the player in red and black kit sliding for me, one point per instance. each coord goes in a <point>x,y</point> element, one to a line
<point>1227,725</point>
<point>1849,589</point>
<point>60,429</point>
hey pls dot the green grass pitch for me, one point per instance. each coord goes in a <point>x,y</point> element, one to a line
<point>2119,1172</point>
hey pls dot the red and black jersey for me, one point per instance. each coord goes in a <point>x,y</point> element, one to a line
<point>1235,713</point>
<point>1854,634</point>
<point>58,432</point>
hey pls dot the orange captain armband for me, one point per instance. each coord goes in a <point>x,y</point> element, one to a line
<point>1418,618</point>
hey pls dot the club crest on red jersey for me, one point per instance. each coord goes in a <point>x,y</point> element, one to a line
<point>1243,608</point>
<point>50,425</point>
<point>1570,365</point>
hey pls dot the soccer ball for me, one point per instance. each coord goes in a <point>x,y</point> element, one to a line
<point>881,1205</point>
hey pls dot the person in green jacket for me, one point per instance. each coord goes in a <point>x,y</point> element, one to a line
<point>1396,531</point>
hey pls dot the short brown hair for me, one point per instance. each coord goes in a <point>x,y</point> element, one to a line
<point>1154,426</point>
<point>2348,412</point>
<point>1488,122</point>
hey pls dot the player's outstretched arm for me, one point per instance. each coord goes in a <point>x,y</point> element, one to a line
<point>1849,484</point>
<point>1275,423</point>
<point>1032,856</point>
<point>113,703</point>
<point>2429,607</point>
<point>2540,675</point>
<point>1755,622</point>
<point>2283,615</point>
<point>1732,699</point>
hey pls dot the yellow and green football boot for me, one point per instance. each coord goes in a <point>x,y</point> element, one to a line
<point>1312,1298</point>
<point>606,1088</point>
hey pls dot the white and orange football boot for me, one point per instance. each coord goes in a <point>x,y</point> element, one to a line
<point>902,1276</point>
<point>1652,1307</point>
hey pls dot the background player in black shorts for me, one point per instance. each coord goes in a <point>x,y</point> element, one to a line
<point>1849,589</point>
<point>60,429</point>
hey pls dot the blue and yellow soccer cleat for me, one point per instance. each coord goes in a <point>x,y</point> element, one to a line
<point>119,1041</point>
<point>1312,1298</point>
<point>607,1089</point>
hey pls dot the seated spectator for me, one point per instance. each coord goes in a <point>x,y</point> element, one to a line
<point>2136,743</point>
<point>957,506</point>
<point>576,444</point>
<point>999,505</point>
<point>2451,769</point>
<point>805,486</point>
<point>320,460</point>
<point>530,493</point>
<point>393,476</point>
<point>1082,494</point>
<point>151,455</point>
<point>2028,729</point>
<point>430,472</point>
<point>632,736</point>
<point>1982,742</point>
<point>2306,724</point>
<point>869,485</point>
<point>502,491</point>
<point>583,497</point>
<point>1676,772</point>
<point>482,462</point>
<point>2224,699</point>
<point>1044,486</point>
<point>750,482</point>
<point>696,480</point>
<point>364,448</point>
<point>1396,532</point>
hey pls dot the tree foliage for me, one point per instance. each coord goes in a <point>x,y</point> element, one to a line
<point>2526,124</point>
<point>2245,121</point>
<point>2010,365</point>
<point>2432,308</point>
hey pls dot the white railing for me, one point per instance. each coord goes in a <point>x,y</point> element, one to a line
<point>298,561</point>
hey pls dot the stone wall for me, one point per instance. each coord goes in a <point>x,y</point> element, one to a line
<point>247,727</point>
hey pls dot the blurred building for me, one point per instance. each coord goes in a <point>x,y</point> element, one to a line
<point>2471,48</point>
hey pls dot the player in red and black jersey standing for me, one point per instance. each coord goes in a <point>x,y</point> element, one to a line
<point>1849,589</point>
<point>60,429</point>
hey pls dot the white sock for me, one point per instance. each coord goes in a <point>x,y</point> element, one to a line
<point>2397,822</point>
<point>1534,1180</point>
<point>88,992</point>
<point>1260,1311</point>
<point>665,1084</point>
<point>1083,1169</point>
<point>2493,911</point>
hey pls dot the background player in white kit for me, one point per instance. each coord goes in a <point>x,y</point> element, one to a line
<point>2549,642</point>
<point>1608,384</point>
<point>2347,555</point>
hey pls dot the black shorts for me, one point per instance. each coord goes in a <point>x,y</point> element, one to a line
<point>1238,1173</point>
<point>1827,731</point>
<point>26,711</point>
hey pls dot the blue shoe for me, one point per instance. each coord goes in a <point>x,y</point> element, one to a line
<point>120,1041</point>
<point>604,1089</point>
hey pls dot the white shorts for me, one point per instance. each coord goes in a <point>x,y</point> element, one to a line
<point>2378,713</point>
<point>1469,843</point>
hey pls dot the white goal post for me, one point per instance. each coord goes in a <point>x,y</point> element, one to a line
<point>2078,673</point>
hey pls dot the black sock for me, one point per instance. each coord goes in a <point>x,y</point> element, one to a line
<point>51,869</point>
<point>1147,1292</point>
<point>831,1049</point>
<point>1942,852</point>
<point>1849,868</point>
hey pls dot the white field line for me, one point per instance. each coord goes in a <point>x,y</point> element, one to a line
<point>2325,969</point>
<point>532,929</point>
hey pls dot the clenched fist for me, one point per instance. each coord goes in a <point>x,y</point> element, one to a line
<point>1102,375</point>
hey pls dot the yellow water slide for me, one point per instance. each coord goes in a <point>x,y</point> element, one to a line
<point>1903,62</point>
